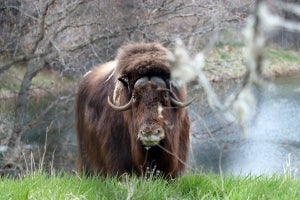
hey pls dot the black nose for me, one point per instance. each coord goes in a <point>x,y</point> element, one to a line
<point>148,131</point>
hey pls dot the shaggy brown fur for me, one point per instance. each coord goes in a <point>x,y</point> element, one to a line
<point>108,141</point>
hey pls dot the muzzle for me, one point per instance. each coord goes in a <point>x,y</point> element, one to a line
<point>151,136</point>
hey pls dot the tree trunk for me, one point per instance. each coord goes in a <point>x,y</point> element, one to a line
<point>14,145</point>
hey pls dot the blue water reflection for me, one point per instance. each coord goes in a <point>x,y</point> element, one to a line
<point>272,144</point>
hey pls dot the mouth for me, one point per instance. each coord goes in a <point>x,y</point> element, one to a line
<point>150,140</point>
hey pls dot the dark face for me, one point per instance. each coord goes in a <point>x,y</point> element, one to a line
<point>152,107</point>
<point>151,111</point>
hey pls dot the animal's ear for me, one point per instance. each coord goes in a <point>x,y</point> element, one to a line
<point>124,80</point>
<point>121,89</point>
<point>171,85</point>
<point>174,89</point>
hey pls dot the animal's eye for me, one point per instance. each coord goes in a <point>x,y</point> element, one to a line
<point>133,96</point>
<point>166,95</point>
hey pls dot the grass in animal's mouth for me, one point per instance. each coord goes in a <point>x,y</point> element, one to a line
<point>150,143</point>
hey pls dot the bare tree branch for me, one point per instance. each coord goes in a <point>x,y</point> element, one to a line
<point>42,26</point>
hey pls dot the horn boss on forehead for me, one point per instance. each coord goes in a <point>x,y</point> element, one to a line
<point>141,81</point>
<point>159,81</point>
<point>118,134</point>
<point>155,80</point>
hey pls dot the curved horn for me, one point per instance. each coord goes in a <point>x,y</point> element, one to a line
<point>178,103</point>
<point>120,108</point>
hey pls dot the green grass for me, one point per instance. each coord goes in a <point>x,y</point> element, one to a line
<point>10,80</point>
<point>284,55</point>
<point>191,186</point>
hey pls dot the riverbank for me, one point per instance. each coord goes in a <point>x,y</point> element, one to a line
<point>226,62</point>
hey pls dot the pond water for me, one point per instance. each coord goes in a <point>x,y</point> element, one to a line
<point>272,144</point>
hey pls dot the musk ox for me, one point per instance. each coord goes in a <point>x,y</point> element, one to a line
<point>130,117</point>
